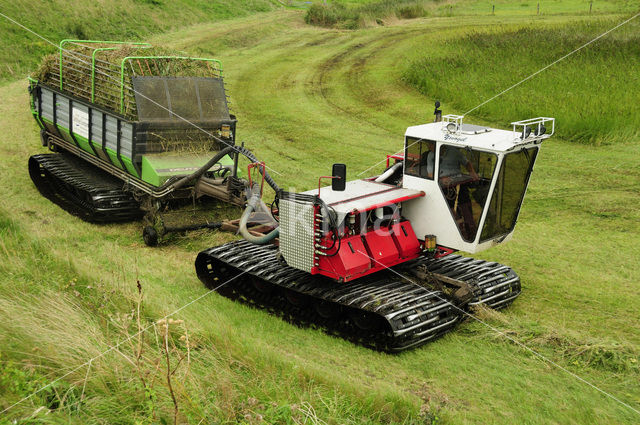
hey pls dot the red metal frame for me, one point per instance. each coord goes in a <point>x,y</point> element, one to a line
<point>256,165</point>
<point>442,251</point>
<point>325,177</point>
<point>355,198</point>
<point>394,156</point>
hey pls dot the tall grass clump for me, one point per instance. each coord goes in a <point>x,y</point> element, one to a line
<point>353,17</point>
<point>326,15</point>
<point>591,93</point>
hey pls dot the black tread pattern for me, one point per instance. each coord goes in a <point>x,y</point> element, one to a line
<point>493,284</point>
<point>384,311</point>
<point>81,189</point>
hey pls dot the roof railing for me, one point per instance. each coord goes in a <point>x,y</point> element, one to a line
<point>453,123</point>
<point>534,128</point>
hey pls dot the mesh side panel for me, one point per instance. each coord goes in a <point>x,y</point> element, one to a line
<point>180,141</point>
<point>296,234</point>
<point>192,98</point>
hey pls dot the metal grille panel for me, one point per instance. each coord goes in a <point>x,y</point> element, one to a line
<point>178,98</point>
<point>296,234</point>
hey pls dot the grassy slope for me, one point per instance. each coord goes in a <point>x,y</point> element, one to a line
<point>101,20</point>
<point>594,106</point>
<point>573,249</point>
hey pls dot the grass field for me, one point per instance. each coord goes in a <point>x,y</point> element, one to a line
<point>307,97</point>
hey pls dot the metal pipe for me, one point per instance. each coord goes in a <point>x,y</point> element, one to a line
<point>384,176</point>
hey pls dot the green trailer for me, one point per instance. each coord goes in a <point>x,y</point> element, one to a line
<point>132,132</point>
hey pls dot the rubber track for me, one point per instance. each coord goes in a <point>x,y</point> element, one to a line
<point>396,313</point>
<point>493,284</point>
<point>81,189</point>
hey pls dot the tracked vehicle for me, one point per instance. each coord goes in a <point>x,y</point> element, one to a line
<point>373,259</point>
<point>134,133</point>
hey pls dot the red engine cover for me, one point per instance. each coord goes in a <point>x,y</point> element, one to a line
<point>360,255</point>
<point>406,240</point>
<point>350,261</point>
<point>381,247</point>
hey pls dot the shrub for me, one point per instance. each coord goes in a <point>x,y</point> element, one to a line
<point>411,12</point>
<point>339,16</point>
<point>324,15</point>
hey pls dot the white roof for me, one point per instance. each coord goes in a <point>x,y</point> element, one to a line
<point>471,135</point>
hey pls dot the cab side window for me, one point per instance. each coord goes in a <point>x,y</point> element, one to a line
<point>420,158</point>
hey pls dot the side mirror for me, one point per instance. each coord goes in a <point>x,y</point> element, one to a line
<point>339,171</point>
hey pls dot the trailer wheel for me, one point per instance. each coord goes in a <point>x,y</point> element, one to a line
<point>296,299</point>
<point>262,286</point>
<point>150,236</point>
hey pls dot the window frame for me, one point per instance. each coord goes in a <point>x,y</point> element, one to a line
<point>524,192</point>
<point>497,163</point>
<point>420,142</point>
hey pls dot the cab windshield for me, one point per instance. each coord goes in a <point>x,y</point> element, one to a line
<point>464,176</point>
<point>508,193</point>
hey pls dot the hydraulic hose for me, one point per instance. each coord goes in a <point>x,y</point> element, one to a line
<point>388,173</point>
<point>246,152</point>
<point>215,159</point>
<point>258,240</point>
<point>199,172</point>
<point>253,201</point>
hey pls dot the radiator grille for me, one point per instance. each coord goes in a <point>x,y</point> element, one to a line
<point>296,233</point>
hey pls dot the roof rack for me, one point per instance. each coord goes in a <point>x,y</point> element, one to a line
<point>533,128</point>
<point>449,119</point>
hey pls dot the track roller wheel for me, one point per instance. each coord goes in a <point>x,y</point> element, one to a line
<point>150,236</point>
<point>296,299</point>
<point>262,286</point>
<point>327,310</point>
<point>364,321</point>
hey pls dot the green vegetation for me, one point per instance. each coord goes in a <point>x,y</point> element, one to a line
<point>306,97</point>
<point>468,69</point>
<point>130,20</point>
<point>353,14</point>
<point>356,16</point>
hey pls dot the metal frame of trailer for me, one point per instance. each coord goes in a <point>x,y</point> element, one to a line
<point>104,138</point>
